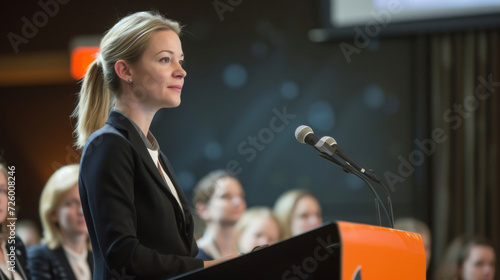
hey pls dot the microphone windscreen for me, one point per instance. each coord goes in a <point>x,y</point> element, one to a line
<point>301,132</point>
<point>329,140</point>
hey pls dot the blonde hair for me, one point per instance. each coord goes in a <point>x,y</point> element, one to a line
<point>412,225</point>
<point>56,187</point>
<point>126,40</point>
<point>250,216</point>
<point>284,206</point>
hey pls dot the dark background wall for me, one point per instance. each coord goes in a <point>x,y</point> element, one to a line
<point>243,72</point>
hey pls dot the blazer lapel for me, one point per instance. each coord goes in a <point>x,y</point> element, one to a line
<point>90,261</point>
<point>121,123</point>
<point>59,252</point>
<point>170,172</point>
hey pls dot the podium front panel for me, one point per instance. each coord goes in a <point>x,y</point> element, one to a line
<point>371,252</point>
<point>311,255</point>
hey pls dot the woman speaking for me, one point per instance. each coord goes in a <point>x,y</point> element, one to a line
<point>138,218</point>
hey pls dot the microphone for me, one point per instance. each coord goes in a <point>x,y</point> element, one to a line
<point>349,160</point>
<point>370,174</point>
<point>329,146</point>
<point>329,150</point>
<point>324,145</point>
<point>305,135</point>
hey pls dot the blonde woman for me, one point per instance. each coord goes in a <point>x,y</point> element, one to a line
<point>10,258</point>
<point>65,252</point>
<point>258,226</point>
<point>298,211</point>
<point>139,220</point>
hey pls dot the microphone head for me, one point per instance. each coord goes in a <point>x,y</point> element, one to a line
<point>328,140</point>
<point>301,133</point>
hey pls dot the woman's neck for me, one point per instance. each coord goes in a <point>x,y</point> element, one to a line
<point>222,238</point>
<point>76,243</point>
<point>137,113</point>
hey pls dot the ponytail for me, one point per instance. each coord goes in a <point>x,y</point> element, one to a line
<point>93,104</point>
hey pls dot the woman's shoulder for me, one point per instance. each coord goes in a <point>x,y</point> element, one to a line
<point>203,255</point>
<point>38,250</point>
<point>107,132</point>
<point>107,136</point>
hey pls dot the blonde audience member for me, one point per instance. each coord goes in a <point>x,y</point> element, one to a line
<point>258,226</point>
<point>298,211</point>
<point>468,258</point>
<point>219,200</point>
<point>65,252</point>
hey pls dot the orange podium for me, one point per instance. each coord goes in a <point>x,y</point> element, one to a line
<point>337,251</point>
<point>371,252</point>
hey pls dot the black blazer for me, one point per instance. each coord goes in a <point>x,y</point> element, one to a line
<point>45,263</point>
<point>21,261</point>
<point>136,226</point>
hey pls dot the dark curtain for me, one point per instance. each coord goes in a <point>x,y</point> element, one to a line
<point>458,79</point>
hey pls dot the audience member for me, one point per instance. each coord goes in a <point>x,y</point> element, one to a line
<point>28,232</point>
<point>219,200</point>
<point>65,252</point>
<point>8,261</point>
<point>468,258</point>
<point>298,211</point>
<point>258,226</point>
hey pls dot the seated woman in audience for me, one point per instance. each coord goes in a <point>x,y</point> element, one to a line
<point>298,211</point>
<point>258,226</point>
<point>64,252</point>
<point>18,261</point>
<point>219,200</point>
<point>468,258</point>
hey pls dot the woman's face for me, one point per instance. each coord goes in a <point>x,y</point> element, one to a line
<point>480,264</point>
<point>306,215</point>
<point>227,203</point>
<point>158,77</point>
<point>3,197</point>
<point>69,214</point>
<point>261,231</point>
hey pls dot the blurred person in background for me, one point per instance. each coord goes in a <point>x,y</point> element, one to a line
<point>18,258</point>
<point>28,232</point>
<point>468,258</point>
<point>298,211</point>
<point>258,226</point>
<point>219,200</point>
<point>65,250</point>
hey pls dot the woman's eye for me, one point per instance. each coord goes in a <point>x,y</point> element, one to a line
<point>165,59</point>
<point>181,62</point>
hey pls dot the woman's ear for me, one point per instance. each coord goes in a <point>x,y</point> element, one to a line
<point>123,70</point>
<point>202,211</point>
